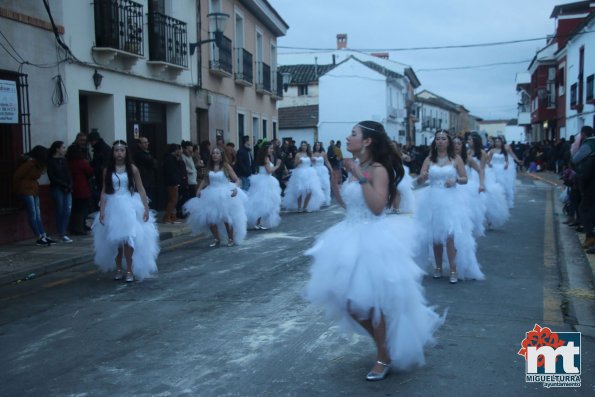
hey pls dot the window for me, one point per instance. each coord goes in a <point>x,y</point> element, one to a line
<point>303,89</point>
<point>241,127</point>
<point>264,129</point>
<point>573,95</point>
<point>590,88</point>
<point>274,130</point>
<point>551,94</point>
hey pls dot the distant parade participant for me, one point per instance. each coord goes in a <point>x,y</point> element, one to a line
<point>363,272</point>
<point>404,200</point>
<point>473,188</point>
<point>264,195</point>
<point>442,215</point>
<point>303,192</point>
<point>125,227</point>
<point>219,202</point>
<point>494,198</point>
<point>500,161</point>
<point>323,170</point>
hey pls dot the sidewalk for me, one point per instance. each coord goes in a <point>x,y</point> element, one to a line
<point>24,260</point>
<point>577,267</point>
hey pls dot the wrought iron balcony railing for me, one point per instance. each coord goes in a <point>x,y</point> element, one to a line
<point>119,25</point>
<point>168,40</point>
<point>244,71</point>
<point>263,77</point>
<point>279,85</point>
<point>221,56</point>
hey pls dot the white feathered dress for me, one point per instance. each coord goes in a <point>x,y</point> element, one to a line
<point>365,263</point>
<point>303,180</point>
<point>216,206</point>
<point>123,224</point>
<point>264,199</point>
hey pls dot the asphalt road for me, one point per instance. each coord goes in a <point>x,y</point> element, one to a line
<point>232,322</point>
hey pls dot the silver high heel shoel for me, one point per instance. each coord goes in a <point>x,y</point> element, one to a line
<point>379,375</point>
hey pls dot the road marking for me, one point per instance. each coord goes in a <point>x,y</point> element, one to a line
<point>552,313</point>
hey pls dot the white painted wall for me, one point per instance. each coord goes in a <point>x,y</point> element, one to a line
<point>515,133</point>
<point>291,97</point>
<point>574,120</point>
<point>350,93</point>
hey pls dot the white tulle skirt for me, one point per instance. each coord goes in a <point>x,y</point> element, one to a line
<point>405,189</point>
<point>124,224</point>
<point>477,208</point>
<point>264,201</point>
<point>497,212</point>
<point>215,206</point>
<point>444,212</point>
<point>303,180</point>
<point>325,183</point>
<point>374,272</point>
<point>507,179</point>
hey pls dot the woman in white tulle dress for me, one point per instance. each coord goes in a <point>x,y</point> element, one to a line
<point>264,195</point>
<point>443,214</point>
<point>502,165</point>
<point>323,169</point>
<point>124,226</point>
<point>494,198</point>
<point>303,191</point>
<point>473,188</point>
<point>219,202</point>
<point>363,272</point>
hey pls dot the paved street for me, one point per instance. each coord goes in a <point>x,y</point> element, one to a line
<point>231,322</point>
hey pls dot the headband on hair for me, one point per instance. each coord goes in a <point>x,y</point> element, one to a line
<point>120,144</point>
<point>367,128</point>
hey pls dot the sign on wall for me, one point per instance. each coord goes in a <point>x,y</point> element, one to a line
<point>9,103</point>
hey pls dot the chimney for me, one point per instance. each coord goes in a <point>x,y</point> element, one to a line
<point>341,41</point>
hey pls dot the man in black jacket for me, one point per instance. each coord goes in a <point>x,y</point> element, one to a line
<point>244,162</point>
<point>146,164</point>
<point>101,154</point>
<point>172,180</point>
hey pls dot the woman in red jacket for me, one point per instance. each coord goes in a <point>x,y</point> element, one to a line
<point>81,172</point>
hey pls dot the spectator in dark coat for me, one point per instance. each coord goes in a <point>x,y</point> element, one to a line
<point>172,180</point>
<point>244,162</point>
<point>81,172</point>
<point>101,155</point>
<point>61,187</point>
<point>147,165</point>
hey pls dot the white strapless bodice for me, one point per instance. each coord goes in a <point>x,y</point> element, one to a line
<point>498,159</point>
<point>439,175</point>
<point>120,182</point>
<point>305,162</point>
<point>262,169</point>
<point>217,178</point>
<point>318,162</point>
<point>356,208</point>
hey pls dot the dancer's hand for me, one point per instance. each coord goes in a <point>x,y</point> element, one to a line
<point>198,193</point>
<point>101,217</point>
<point>450,183</point>
<point>234,192</point>
<point>482,188</point>
<point>146,215</point>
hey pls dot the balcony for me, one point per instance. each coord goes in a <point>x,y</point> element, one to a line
<point>244,72</point>
<point>220,63</point>
<point>279,86</point>
<point>524,118</point>
<point>263,78</point>
<point>118,29</point>
<point>168,42</point>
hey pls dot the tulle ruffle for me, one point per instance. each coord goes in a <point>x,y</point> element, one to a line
<point>303,180</point>
<point>264,201</point>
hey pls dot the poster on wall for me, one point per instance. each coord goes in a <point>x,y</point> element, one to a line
<point>9,103</point>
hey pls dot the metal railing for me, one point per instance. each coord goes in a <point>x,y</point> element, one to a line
<point>119,25</point>
<point>168,39</point>
<point>263,76</point>
<point>244,71</point>
<point>279,86</point>
<point>221,56</point>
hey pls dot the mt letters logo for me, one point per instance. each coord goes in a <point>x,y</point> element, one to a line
<point>553,358</point>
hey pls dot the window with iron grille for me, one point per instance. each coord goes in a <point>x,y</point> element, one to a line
<point>573,95</point>
<point>590,88</point>
<point>303,89</point>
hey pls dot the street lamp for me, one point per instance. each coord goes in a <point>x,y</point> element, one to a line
<point>286,80</point>
<point>217,23</point>
<point>97,77</point>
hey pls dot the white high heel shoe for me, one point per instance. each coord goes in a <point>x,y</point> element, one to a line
<point>372,376</point>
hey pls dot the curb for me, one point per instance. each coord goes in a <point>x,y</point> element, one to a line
<point>67,263</point>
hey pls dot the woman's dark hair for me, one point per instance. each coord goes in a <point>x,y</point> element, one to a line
<point>172,147</point>
<point>54,147</point>
<point>262,157</point>
<point>74,152</point>
<point>450,149</point>
<point>40,154</point>
<point>463,150</point>
<point>111,169</point>
<point>383,151</point>
<point>320,147</point>
<point>308,151</point>
<point>503,147</point>
<point>477,145</point>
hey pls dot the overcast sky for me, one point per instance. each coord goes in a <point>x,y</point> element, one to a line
<point>488,92</point>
